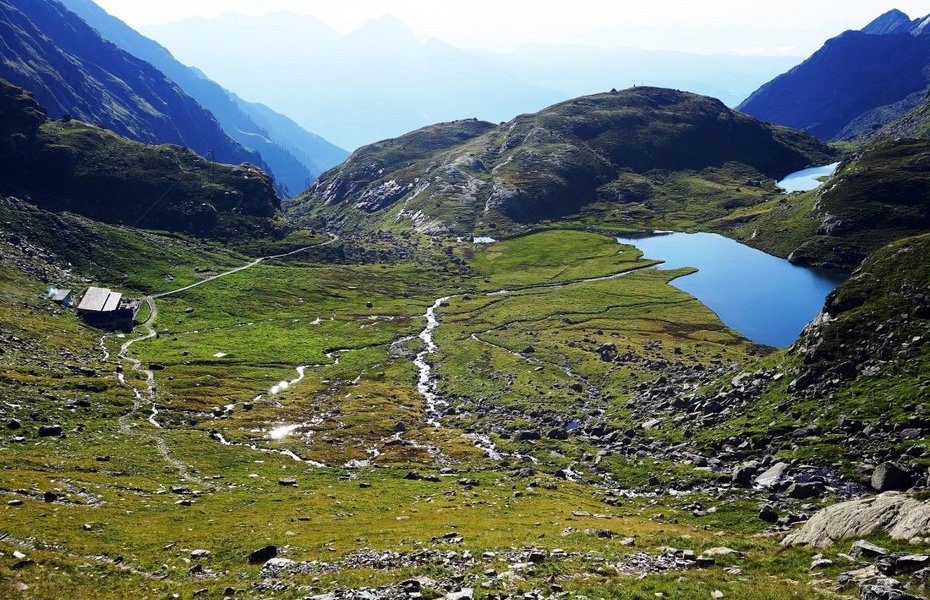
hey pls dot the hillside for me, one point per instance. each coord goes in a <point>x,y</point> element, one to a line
<point>613,149</point>
<point>72,71</point>
<point>67,165</point>
<point>913,124</point>
<point>879,195</point>
<point>857,378</point>
<point>849,395</point>
<point>294,156</point>
<point>858,81</point>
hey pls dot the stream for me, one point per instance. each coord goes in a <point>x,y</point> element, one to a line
<point>426,383</point>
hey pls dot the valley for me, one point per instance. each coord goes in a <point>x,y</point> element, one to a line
<point>635,345</point>
<point>388,420</point>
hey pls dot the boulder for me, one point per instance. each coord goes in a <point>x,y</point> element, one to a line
<point>864,549</point>
<point>889,476</point>
<point>276,566</point>
<point>773,476</point>
<point>882,592</point>
<point>742,475</point>
<point>557,433</point>
<point>49,430</point>
<point>910,563</point>
<point>898,515</point>
<point>805,490</point>
<point>262,555</point>
<point>768,514</point>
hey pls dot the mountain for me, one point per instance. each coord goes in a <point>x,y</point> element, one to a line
<point>51,52</point>
<point>616,149</point>
<point>857,75</point>
<point>581,70</point>
<point>293,155</point>
<point>312,150</point>
<point>381,81</point>
<point>377,82</point>
<point>895,21</point>
<point>68,165</point>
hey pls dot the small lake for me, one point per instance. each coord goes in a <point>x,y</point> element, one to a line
<point>808,179</point>
<point>765,298</point>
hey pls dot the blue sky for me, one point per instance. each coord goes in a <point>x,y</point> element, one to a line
<point>793,27</point>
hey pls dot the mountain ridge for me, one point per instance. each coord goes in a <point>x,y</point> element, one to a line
<point>456,176</point>
<point>292,159</point>
<point>56,55</point>
<point>896,21</point>
<point>852,74</point>
<point>68,165</point>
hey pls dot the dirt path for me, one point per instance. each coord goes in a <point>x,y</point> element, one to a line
<point>333,239</point>
<point>149,395</point>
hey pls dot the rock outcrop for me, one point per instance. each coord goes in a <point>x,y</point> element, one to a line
<point>898,515</point>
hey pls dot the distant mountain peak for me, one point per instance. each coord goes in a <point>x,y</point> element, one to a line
<point>895,21</point>
<point>386,26</point>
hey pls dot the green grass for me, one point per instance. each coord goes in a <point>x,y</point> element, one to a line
<point>265,320</point>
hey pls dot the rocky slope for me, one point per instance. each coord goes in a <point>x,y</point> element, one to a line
<point>466,176</point>
<point>294,156</point>
<point>913,124</point>
<point>72,166</point>
<point>857,81</point>
<point>52,53</point>
<point>879,195</point>
<point>850,393</point>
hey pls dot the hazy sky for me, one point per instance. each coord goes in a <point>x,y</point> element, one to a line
<point>795,27</point>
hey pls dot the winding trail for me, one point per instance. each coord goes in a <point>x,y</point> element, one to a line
<point>333,239</point>
<point>149,395</point>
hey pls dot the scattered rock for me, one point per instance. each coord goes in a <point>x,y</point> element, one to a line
<point>864,549</point>
<point>768,514</point>
<point>49,430</point>
<point>821,563</point>
<point>262,555</point>
<point>805,490</point>
<point>773,476</point>
<point>883,592</point>
<point>889,476</point>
